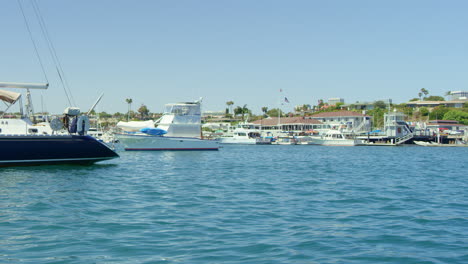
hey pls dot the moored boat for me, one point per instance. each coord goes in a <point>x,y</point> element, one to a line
<point>61,141</point>
<point>26,150</point>
<point>435,144</point>
<point>178,129</point>
<point>286,140</point>
<point>336,138</point>
<point>144,142</point>
<point>245,136</point>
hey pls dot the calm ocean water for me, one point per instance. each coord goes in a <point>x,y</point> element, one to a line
<point>242,204</point>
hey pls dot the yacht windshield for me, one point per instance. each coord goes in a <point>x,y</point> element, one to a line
<point>183,109</point>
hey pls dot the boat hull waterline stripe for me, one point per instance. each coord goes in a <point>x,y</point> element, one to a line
<point>156,149</point>
<point>55,160</point>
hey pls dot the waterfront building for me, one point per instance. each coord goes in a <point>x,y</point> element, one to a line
<point>440,125</point>
<point>432,104</point>
<point>360,106</point>
<point>295,125</point>
<point>334,101</point>
<point>367,105</point>
<point>395,125</point>
<point>348,121</point>
<point>459,95</point>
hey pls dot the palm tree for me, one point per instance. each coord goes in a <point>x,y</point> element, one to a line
<point>424,91</point>
<point>144,111</point>
<point>238,111</point>
<point>448,94</point>
<point>129,102</point>
<point>229,104</point>
<point>264,110</point>
<point>245,111</point>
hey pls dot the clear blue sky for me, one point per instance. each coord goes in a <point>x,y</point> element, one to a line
<point>158,52</point>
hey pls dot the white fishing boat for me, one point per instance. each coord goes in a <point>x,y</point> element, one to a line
<point>178,129</point>
<point>335,138</point>
<point>244,136</point>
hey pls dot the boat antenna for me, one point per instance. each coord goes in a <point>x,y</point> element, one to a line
<point>32,40</point>
<point>53,52</point>
<point>94,105</point>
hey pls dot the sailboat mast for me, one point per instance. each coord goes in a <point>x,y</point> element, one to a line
<point>279,111</point>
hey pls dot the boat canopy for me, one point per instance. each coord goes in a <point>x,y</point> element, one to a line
<point>9,97</point>
<point>134,126</point>
<point>153,131</point>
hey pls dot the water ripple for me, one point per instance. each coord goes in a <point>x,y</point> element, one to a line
<point>243,204</point>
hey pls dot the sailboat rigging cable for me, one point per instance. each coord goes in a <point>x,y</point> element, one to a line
<point>32,40</point>
<point>50,47</point>
<point>52,51</point>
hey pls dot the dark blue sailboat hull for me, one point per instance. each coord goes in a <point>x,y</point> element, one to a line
<point>26,150</point>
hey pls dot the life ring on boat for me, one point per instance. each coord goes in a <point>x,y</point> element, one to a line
<point>82,125</point>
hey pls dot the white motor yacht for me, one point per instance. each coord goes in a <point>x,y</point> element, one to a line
<point>335,138</point>
<point>178,129</point>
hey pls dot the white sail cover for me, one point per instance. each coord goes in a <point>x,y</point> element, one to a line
<point>9,97</point>
<point>134,126</point>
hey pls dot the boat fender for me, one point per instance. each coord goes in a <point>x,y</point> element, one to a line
<point>82,125</point>
<point>66,122</point>
<point>73,125</point>
<point>56,124</point>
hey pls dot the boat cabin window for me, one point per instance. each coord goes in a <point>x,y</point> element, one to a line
<point>183,109</point>
<point>242,134</point>
<point>254,135</point>
<point>32,130</point>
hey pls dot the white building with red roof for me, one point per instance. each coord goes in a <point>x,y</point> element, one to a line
<point>345,120</point>
<point>294,125</point>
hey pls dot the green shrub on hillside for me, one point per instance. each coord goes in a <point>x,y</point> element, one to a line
<point>460,116</point>
<point>424,111</point>
<point>438,113</point>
